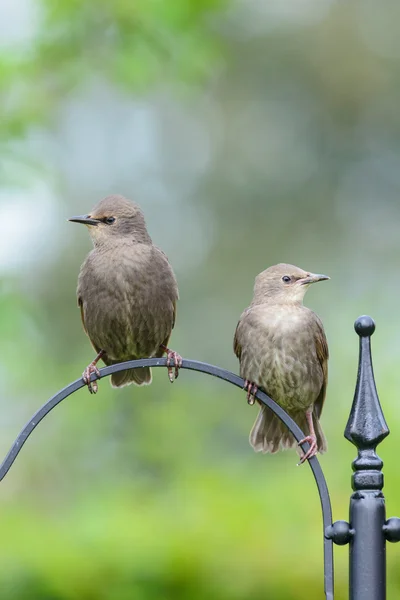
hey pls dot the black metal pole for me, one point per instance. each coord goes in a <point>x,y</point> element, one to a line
<point>366,428</point>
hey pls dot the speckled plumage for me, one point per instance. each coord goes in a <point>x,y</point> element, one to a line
<point>127,291</point>
<point>282,348</point>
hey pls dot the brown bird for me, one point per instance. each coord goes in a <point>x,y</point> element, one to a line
<point>282,348</point>
<point>127,293</point>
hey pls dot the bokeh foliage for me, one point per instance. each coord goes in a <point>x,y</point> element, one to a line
<point>251,133</point>
<point>132,44</point>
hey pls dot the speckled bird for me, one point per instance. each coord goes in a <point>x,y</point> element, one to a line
<point>127,293</point>
<point>282,349</point>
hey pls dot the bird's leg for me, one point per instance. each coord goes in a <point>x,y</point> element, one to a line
<point>251,389</point>
<point>92,368</point>
<point>311,439</point>
<point>177,360</point>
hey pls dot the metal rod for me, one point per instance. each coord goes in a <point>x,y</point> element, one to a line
<point>367,547</point>
<point>215,372</point>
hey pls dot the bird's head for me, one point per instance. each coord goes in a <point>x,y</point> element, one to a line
<point>284,284</point>
<point>115,218</point>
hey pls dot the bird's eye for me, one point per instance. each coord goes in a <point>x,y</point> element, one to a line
<point>286,278</point>
<point>109,220</point>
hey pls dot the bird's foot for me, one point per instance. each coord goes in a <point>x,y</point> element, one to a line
<point>313,449</point>
<point>90,369</point>
<point>251,390</point>
<point>176,359</point>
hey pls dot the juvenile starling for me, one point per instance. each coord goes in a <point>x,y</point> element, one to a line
<point>282,348</point>
<point>127,293</point>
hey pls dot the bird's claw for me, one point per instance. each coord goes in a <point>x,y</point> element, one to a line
<point>173,373</point>
<point>313,449</point>
<point>86,375</point>
<point>251,389</point>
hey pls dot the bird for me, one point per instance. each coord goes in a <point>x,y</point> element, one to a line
<point>127,293</point>
<point>283,350</point>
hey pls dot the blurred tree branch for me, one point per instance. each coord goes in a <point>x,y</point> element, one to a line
<point>134,44</point>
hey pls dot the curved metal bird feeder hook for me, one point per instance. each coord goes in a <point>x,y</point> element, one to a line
<point>215,372</point>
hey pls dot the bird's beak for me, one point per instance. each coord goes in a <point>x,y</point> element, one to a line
<point>85,220</point>
<point>313,278</point>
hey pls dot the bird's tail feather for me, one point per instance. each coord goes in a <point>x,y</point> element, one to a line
<point>269,434</point>
<point>321,439</point>
<point>140,376</point>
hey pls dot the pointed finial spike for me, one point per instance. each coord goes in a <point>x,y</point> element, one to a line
<point>366,426</point>
<point>364,326</point>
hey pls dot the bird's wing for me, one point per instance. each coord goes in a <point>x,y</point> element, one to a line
<point>174,314</point>
<point>237,343</point>
<point>321,346</point>
<point>161,252</point>
<point>237,347</point>
<point>165,342</point>
<point>96,348</point>
<point>175,291</point>
<point>80,304</point>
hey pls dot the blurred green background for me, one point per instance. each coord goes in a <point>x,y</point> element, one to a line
<point>251,132</point>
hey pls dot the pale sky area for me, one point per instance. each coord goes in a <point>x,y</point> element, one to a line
<point>18,21</point>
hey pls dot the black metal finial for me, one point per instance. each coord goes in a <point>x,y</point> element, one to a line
<point>364,326</point>
<point>366,426</point>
